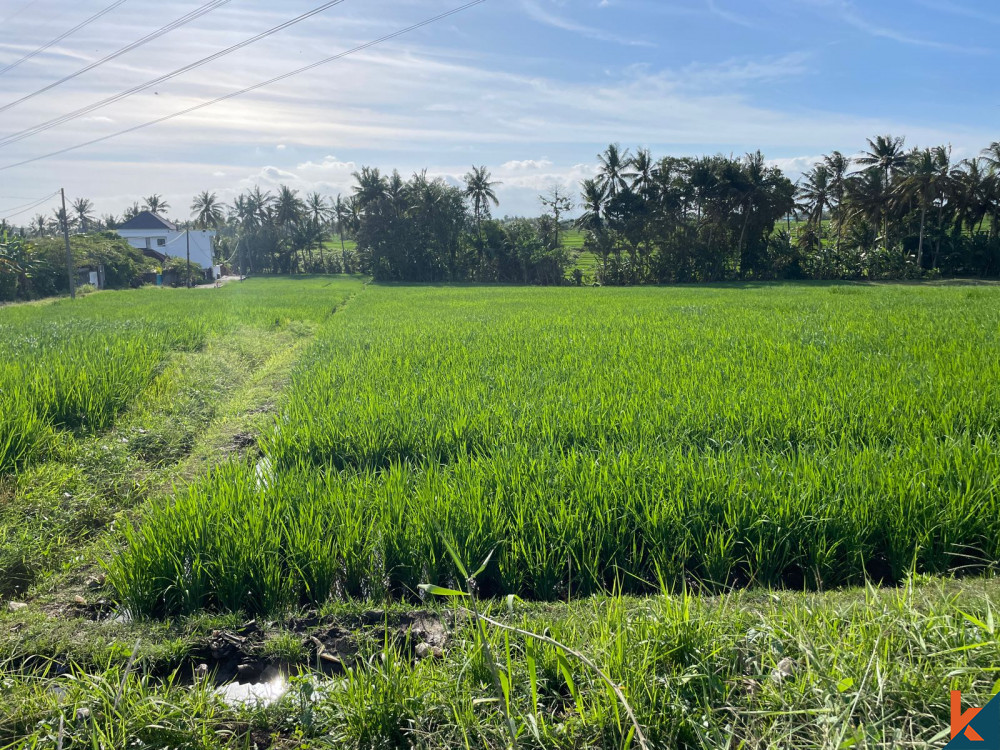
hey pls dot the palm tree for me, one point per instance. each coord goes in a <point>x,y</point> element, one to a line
<point>84,210</point>
<point>155,204</point>
<point>836,166</point>
<point>131,212</point>
<point>61,220</point>
<point>109,222</point>
<point>288,207</point>
<point>288,211</point>
<point>992,155</point>
<point>643,171</point>
<point>886,154</point>
<point>946,185</point>
<point>613,174</point>
<point>318,209</point>
<point>341,213</point>
<point>594,197</point>
<point>866,196</point>
<point>395,192</point>
<point>814,192</point>
<point>371,187</point>
<point>919,186</point>
<point>479,188</point>
<point>207,209</point>
<point>972,188</point>
<point>39,225</point>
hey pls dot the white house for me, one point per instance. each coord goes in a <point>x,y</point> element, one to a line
<point>162,239</point>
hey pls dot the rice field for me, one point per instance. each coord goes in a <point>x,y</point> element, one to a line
<point>72,367</point>
<point>627,440</point>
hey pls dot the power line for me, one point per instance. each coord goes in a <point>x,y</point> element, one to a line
<point>59,38</point>
<point>18,210</point>
<point>20,136</point>
<point>176,24</point>
<point>248,89</point>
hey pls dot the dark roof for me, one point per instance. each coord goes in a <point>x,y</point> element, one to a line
<point>148,220</point>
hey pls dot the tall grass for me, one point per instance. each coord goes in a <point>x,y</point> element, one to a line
<point>605,439</point>
<point>76,366</point>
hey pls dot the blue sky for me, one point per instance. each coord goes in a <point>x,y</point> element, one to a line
<point>531,88</point>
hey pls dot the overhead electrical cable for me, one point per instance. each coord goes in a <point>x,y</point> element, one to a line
<point>18,210</point>
<point>59,38</point>
<point>176,24</point>
<point>248,89</point>
<point>21,135</point>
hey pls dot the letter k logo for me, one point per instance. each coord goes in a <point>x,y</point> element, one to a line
<point>960,721</point>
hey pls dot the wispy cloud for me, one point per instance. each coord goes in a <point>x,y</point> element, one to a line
<point>728,15</point>
<point>848,13</point>
<point>947,6</point>
<point>540,14</point>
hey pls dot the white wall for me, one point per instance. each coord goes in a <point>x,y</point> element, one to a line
<point>174,244</point>
<point>201,247</point>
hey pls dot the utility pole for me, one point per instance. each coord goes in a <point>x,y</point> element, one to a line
<point>69,252</point>
<point>187,236</point>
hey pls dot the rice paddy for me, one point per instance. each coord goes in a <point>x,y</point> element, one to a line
<point>603,440</point>
<point>658,474</point>
<point>75,367</point>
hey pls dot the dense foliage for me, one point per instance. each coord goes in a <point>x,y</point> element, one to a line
<point>604,439</point>
<point>33,268</point>
<point>887,213</point>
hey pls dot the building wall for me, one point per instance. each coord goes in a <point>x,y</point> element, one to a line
<point>173,244</point>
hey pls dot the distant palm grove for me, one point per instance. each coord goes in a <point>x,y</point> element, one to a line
<point>889,213</point>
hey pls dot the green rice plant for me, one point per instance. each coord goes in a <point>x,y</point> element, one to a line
<point>606,440</point>
<point>76,366</point>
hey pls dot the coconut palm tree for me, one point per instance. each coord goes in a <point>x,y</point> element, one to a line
<point>814,192</point>
<point>342,214</point>
<point>837,166</point>
<point>289,210</point>
<point>83,209</point>
<point>318,209</point>
<point>39,225</point>
<point>371,187</point>
<point>109,222</point>
<point>131,212</point>
<point>643,171</point>
<point>480,189</point>
<point>594,198</point>
<point>61,220</point>
<point>920,187</point>
<point>155,204</point>
<point>886,154</point>
<point>613,174</point>
<point>207,210</point>
<point>972,189</point>
<point>992,155</point>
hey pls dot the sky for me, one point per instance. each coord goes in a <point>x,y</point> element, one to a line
<point>533,89</point>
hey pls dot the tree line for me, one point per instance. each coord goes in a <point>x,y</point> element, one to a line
<point>887,213</point>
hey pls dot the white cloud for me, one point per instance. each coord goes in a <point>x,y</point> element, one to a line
<point>538,13</point>
<point>527,164</point>
<point>425,101</point>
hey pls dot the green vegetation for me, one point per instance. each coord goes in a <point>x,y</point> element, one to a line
<point>869,669</point>
<point>101,398</point>
<point>798,436</point>
<point>30,269</point>
<point>659,474</point>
